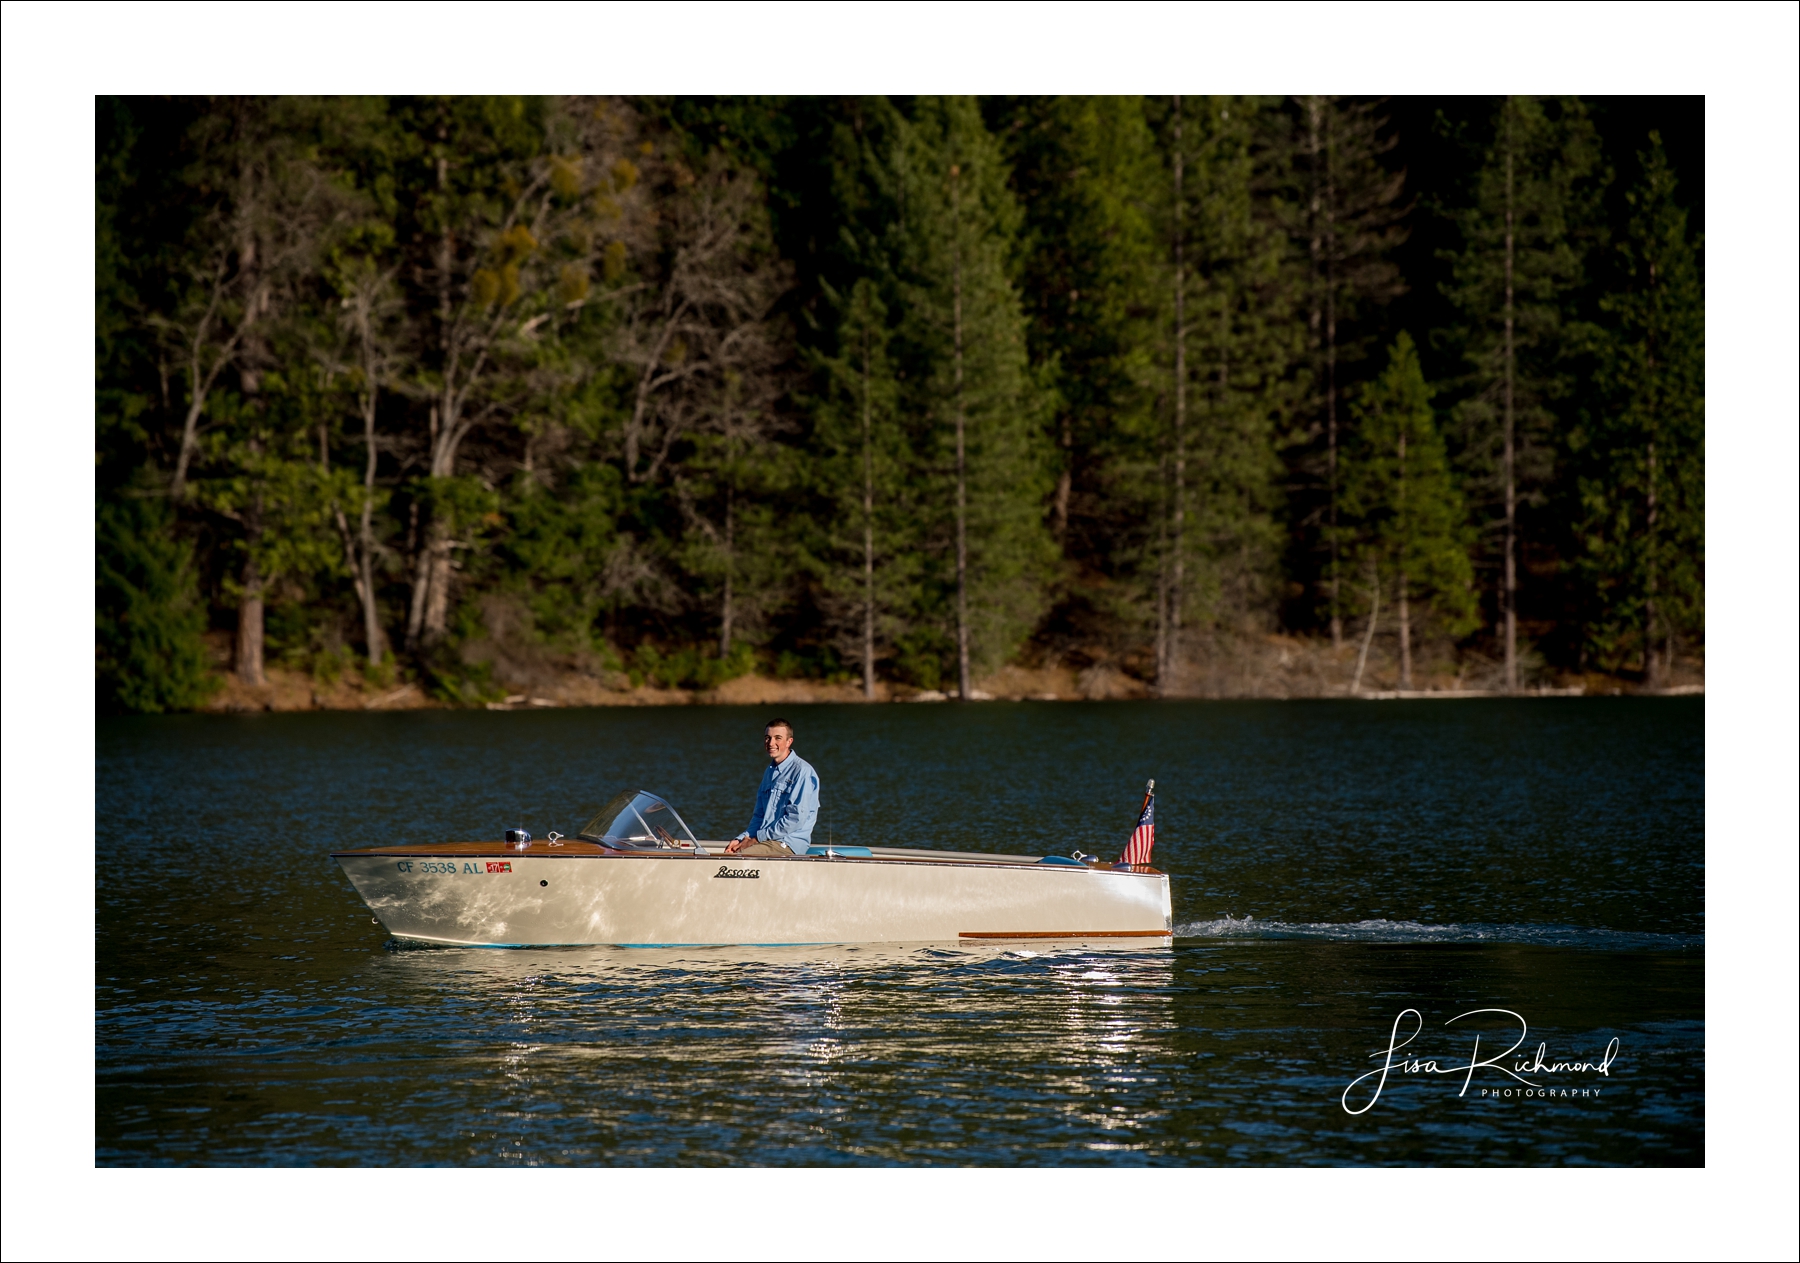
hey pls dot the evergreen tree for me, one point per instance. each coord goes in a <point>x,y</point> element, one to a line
<point>1346,213</point>
<point>1407,519</point>
<point>1643,488</point>
<point>1234,380</point>
<point>1514,282</point>
<point>148,616</point>
<point>1091,185</point>
<point>871,566</point>
<point>434,372</point>
<point>970,382</point>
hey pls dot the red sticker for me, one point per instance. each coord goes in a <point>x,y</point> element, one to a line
<point>500,866</point>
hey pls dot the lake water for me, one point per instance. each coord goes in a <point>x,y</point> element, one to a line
<point>1334,865</point>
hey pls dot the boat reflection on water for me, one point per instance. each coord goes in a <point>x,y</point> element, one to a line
<point>922,1047</point>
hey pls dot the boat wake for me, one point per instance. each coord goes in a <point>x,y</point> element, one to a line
<point>1385,931</point>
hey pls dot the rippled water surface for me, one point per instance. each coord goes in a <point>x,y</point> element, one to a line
<point>1334,865</point>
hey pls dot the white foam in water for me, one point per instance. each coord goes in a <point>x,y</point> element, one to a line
<point>1381,930</point>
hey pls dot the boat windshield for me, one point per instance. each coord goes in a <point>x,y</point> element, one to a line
<point>640,820</point>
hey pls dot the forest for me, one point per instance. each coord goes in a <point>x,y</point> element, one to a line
<point>895,393</point>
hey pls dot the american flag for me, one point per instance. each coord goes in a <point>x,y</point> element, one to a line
<point>1137,851</point>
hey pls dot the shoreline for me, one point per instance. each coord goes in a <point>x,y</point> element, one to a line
<point>1286,677</point>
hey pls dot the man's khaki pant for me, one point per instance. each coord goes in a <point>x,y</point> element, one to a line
<point>767,847</point>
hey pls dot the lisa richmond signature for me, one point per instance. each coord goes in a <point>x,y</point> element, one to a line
<point>1392,1061</point>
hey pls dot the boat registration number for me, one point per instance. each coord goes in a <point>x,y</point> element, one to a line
<point>451,867</point>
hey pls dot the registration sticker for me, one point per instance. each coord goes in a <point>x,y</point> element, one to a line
<point>499,866</point>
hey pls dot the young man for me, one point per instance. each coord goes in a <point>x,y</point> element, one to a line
<point>787,801</point>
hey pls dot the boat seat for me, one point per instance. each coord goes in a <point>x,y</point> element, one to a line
<point>829,850</point>
<point>1062,859</point>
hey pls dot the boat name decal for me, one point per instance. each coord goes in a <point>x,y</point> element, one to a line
<point>435,866</point>
<point>725,870</point>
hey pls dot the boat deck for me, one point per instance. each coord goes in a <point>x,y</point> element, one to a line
<point>570,848</point>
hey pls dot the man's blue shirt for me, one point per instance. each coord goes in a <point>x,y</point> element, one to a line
<point>787,804</point>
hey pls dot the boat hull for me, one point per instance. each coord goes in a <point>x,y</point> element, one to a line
<point>498,898</point>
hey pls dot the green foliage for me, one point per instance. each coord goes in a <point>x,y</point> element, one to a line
<point>548,345</point>
<point>449,678</point>
<point>920,658</point>
<point>1538,188</point>
<point>1244,349</point>
<point>689,666</point>
<point>1642,480</point>
<point>955,260</point>
<point>1093,276</point>
<point>556,546</point>
<point>1405,519</point>
<point>268,483</point>
<point>866,475</point>
<point>148,617</point>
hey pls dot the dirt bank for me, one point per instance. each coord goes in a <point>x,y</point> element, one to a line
<point>1244,667</point>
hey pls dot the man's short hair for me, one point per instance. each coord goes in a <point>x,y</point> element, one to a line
<point>780,723</point>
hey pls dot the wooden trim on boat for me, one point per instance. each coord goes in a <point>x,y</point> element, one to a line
<point>574,848</point>
<point>1066,934</point>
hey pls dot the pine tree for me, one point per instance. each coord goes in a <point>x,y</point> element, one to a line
<point>1347,215</point>
<point>969,379</point>
<point>1235,347</point>
<point>1090,184</point>
<point>1407,520</point>
<point>1644,486</point>
<point>148,615</point>
<point>870,562</point>
<point>1514,282</point>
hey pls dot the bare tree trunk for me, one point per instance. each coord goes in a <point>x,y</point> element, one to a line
<point>1405,612</point>
<point>372,637</point>
<point>1650,542</point>
<point>359,549</point>
<point>730,557</point>
<point>428,619</point>
<point>200,381</point>
<point>1509,597</point>
<point>1650,671</point>
<point>435,615</point>
<point>1331,395</point>
<point>1165,680</point>
<point>362,579</point>
<point>868,627</point>
<point>1368,635</point>
<point>962,513</point>
<point>199,386</point>
<point>1064,484</point>
<point>248,650</point>
<point>189,441</point>
<point>1162,574</point>
<point>1315,343</point>
<point>1406,680</point>
<point>422,556</point>
<point>437,594</point>
<point>421,583</point>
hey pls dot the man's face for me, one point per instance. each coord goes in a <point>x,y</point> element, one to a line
<point>777,741</point>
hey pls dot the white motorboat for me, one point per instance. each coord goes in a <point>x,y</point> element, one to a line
<point>637,876</point>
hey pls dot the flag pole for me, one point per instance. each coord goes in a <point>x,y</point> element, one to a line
<point>1149,792</point>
